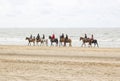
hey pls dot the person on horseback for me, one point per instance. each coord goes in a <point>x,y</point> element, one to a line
<point>31,36</point>
<point>85,35</point>
<point>53,36</point>
<point>66,38</point>
<point>92,37</point>
<point>62,36</point>
<point>34,37</point>
<point>43,36</point>
<point>38,36</point>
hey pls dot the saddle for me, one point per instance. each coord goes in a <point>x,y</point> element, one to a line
<point>66,39</point>
<point>53,39</point>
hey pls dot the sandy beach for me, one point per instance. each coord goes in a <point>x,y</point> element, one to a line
<point>35,63</point>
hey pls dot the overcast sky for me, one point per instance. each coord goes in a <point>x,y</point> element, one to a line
<point>59,13</point>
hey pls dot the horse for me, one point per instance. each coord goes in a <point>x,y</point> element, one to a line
<point>63,40</point>
<point>88,40</point>
<point>30,40</point>
<point>42,41</point>
<point>53,40</point>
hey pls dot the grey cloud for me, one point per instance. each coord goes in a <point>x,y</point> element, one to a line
<point>66,13</point>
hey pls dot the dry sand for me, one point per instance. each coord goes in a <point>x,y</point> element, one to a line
<point>34,63</point>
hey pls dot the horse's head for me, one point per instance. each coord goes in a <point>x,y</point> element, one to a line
<point>81,38</point>
<point>49,37</point>
<point>26,38</point>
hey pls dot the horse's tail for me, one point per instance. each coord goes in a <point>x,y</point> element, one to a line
<point>97,43</point>
<point>57,41</point>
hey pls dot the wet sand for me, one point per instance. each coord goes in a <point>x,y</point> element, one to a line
<point>35,63</point>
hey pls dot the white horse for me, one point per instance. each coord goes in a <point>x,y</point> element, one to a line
<point>42,41</point>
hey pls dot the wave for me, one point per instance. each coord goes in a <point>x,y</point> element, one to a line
<point>106,37</point>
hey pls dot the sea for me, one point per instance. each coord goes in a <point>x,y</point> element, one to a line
<point>106,37</point>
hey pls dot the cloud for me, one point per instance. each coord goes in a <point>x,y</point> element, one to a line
<point>59,13</point>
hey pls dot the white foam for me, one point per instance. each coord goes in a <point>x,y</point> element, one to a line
<point>17,36</point>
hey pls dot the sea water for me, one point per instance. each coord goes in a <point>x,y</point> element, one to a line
<point>106,37</point>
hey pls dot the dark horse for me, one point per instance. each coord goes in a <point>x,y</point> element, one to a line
<point>89,41</point>
<point>53,40</point>
<point>63,40</point>
<point>30,40</point>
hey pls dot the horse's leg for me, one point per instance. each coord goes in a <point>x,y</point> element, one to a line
<point>94,44</point>
<point>51,43</point>
<point>82,45</point>
<point>46,42</point>
<point>33,43</point>
<point>28,43</point>
<point>40,43</point>
<point>60,43</point>
<point>70,44</point>
<point>90,44</point>
<point>64,43</point>
<point>37,43</point>
<point>57,43</point>
<point>43,43</point>
<point>97,45</point>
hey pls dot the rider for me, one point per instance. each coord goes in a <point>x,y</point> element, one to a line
<point>92,38</point>
<point>43,36</point>
<point>31,36</point>
<point>66,38</point>
<point>85,35</point>
<point>38,36</point>
<point>62,36</point>
<point>53,36</point>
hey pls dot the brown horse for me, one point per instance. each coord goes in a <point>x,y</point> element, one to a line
<point>63,40</point>
<point>30,40</point>
<point>42,41</point>
<point>89,41</point>
<point>84,40</point>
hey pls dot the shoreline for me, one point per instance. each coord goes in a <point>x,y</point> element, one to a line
<point>62,46</point>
